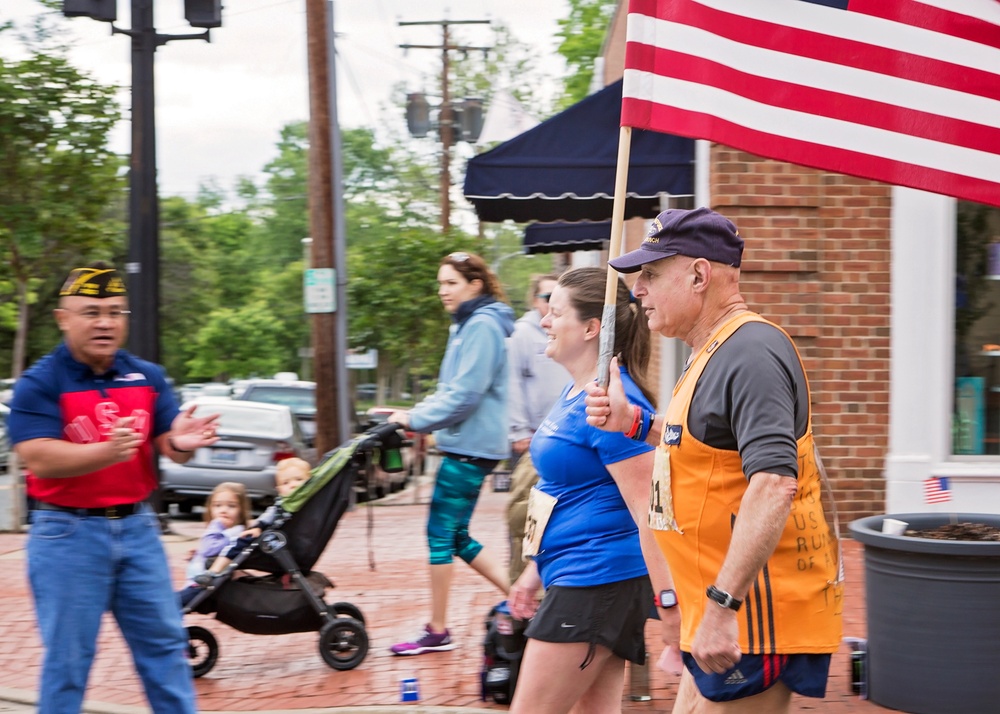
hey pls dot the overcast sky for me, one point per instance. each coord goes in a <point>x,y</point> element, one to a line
<point>221,105</point>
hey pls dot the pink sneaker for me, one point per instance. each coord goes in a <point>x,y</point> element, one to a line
<point>427,642</point>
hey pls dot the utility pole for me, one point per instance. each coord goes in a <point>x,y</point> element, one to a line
<point>446,128</point>
<point>325,226</point>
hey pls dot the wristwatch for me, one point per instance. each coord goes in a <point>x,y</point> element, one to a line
<point>666,599</point>
<point>723,598</point>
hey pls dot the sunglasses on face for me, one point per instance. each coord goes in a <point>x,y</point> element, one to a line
<point>544,296</point>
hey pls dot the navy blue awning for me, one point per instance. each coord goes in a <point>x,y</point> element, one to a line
<point>566,237</point>
<point>564,168</point>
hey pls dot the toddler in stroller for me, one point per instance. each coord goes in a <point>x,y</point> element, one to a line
<point>226,511</point>
<point>289,598</point>
<point>289,475</point>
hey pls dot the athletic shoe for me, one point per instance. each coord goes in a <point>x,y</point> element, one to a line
<point>427,642</point>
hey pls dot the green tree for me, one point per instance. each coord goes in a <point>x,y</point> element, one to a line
<point>582,35</point>
<point>188,282</point>
<point>230,343</point>
<point>509,64</point>
<point>57,180</point>
<point>401,318</point>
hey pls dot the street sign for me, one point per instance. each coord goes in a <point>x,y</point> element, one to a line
<point>320,290</point>
<point>362,360</point>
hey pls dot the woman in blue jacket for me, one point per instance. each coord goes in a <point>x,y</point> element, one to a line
<point>467,414</point>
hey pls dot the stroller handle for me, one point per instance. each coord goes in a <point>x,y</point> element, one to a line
<point>389,440</point>
<point>387,435</point>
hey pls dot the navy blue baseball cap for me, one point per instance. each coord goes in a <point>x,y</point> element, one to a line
<point>699,233</point>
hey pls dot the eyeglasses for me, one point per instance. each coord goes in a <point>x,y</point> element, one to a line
<point>92,314</point>
<point>458,257</point>
<point>544,296</point>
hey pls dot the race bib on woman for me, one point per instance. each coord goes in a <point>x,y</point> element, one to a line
<point>540,507</point>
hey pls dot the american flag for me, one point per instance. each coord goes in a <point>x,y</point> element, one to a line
<point>937,490</point>
<point>901,91</point>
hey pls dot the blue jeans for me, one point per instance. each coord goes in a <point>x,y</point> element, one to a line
<point>82,567</point>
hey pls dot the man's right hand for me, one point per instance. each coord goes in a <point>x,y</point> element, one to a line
<point>125,441</point>
<point>521,445</point>
<point>609,409</point>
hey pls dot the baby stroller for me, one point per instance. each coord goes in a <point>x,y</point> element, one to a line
<point>289,597</point>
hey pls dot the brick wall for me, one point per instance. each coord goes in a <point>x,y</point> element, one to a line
<point>816,262</point>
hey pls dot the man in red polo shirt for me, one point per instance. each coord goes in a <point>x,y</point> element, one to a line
<point>84,421</point>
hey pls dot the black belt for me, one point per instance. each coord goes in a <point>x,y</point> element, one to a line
<point>120,511</point>
<point>485,464</point>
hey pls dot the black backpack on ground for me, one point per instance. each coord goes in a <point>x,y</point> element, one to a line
<point>502,650</point>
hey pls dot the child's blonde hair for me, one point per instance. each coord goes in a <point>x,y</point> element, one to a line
<point>291,464</point>
<point>237,489</point>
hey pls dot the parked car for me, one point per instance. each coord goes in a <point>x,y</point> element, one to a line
<point>4,438</point>
<point>6,390</point>
<point>414,452</point>
<point>216,389</point>
<point>297,395</point>
<point>253,437</point>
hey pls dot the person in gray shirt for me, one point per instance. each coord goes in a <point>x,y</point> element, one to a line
<point>535,382</point>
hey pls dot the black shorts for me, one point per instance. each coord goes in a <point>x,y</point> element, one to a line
<point>612,615</point>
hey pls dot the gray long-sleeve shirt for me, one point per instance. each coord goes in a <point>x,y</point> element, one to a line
<point>535,380</point>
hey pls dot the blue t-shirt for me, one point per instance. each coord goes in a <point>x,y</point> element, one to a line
<point>590,538</point>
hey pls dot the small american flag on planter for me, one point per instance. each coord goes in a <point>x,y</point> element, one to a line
<point>937,490</point>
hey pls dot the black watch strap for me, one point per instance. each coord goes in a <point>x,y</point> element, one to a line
<point>723,598</point>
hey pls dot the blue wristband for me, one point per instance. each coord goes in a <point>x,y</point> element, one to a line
<point>646,421</point>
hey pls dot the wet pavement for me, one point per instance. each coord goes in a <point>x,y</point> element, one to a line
<point>377,560</point>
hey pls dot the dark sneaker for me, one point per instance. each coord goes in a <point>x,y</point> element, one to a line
<point>427,642</point>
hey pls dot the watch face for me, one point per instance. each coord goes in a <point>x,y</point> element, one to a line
<point>668,598</point>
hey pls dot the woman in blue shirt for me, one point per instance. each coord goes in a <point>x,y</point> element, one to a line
<point>467,414</point>
<point>588,552</point>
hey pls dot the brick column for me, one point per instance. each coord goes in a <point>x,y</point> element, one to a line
<point>817,263</point>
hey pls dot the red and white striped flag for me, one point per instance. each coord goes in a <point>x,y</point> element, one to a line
<point>901,91</point>
<point>937,489</point>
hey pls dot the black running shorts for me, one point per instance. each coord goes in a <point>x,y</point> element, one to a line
<point>612,615</point>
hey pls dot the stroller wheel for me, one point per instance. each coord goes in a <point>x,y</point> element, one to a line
<point>343,643</point>
<point>346,609</point>
<point>203,650</point>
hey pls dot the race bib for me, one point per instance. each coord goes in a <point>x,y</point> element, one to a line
<point>661,501</point>
<point>540,507</point>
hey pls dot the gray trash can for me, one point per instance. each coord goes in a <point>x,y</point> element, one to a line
<point>933,617</point>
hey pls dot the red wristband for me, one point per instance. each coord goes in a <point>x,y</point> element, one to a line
<point>636,421</point>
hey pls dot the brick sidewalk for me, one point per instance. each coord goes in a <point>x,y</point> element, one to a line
<point>257,673</point>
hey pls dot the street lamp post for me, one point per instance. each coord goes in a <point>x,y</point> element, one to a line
<point>143,266</point>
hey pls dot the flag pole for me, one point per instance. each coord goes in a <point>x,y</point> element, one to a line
<point>607,342</point>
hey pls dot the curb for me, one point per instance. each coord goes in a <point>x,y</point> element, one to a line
<point>28,699</point>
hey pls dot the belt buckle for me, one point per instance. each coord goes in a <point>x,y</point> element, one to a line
<point>111,512</point>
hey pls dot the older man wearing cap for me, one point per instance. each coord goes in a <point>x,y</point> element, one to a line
<point>84,420</point>
<point>736,495</point>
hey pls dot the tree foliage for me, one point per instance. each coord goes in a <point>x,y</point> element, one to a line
<point>58,179</point>
<point>232,261</point>
<point>234,342</point>
<point>582,35</point>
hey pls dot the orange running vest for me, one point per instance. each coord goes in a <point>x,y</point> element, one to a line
<point>795,604</point>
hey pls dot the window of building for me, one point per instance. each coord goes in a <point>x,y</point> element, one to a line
<point>976,417</point>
